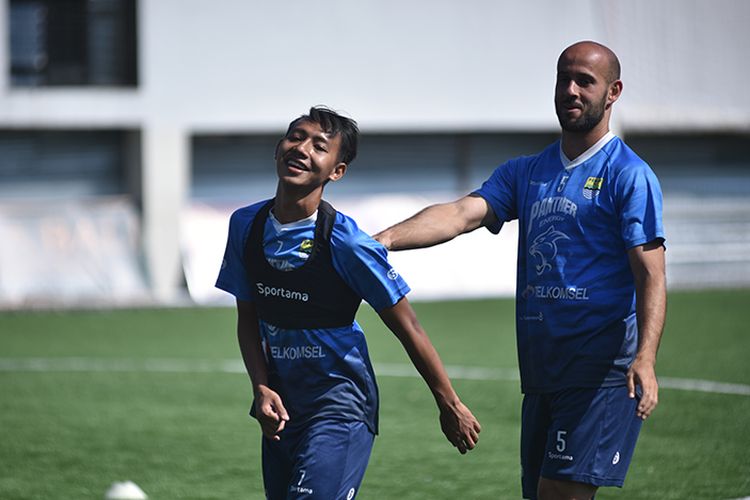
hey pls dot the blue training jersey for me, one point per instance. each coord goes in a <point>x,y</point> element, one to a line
<point>575,296</point>
<point>319,373</point>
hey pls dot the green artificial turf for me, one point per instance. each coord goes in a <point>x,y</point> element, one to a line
<point>140,395</point>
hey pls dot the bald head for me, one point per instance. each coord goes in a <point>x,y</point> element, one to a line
<point>595,53</point>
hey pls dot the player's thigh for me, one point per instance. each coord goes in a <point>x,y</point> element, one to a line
<point>277,464</point>
<point>330,461</point>
<point>535,421</point>
<point>591,437</point>
<point>554,489</point>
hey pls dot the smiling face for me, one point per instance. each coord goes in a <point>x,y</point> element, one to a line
<point>307,156</point>
<point>587,85</point>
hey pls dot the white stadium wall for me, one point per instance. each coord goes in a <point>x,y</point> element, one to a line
<point>238,67</point>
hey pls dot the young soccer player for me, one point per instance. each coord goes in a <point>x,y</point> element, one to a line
<point>299,270</point>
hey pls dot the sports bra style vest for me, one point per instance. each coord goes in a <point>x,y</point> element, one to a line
<point>310,296</point>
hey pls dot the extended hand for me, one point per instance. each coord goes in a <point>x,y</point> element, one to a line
<point>642,373</point>
<point>460,426</point>
<point>270,412</point>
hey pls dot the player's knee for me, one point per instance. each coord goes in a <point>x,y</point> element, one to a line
<point>553,489</point>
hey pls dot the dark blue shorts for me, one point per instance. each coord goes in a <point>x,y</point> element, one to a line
<point>325,460</point>
<point>582,435</point>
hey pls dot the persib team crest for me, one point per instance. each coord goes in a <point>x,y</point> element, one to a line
<point>306,246</point>
<point>592,187</point>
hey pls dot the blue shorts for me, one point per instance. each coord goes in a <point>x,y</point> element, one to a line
<point>324,460</point>
<point>582,435</point>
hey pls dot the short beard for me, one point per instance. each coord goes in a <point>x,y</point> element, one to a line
<point>587,121</point>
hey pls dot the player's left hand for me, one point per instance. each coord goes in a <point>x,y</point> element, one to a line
<point>642,374</point>
<point>460,426</point>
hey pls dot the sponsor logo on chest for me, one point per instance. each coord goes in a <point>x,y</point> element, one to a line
<point>554,205</point>
<point>281,292</point>
<point>297,352</point>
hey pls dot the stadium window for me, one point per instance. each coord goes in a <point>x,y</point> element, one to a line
<point>73,43</point>
<point>68,164</point>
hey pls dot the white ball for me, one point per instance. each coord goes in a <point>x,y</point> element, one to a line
<point>126,490</point>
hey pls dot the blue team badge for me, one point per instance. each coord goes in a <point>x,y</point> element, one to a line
<point>592,187</point>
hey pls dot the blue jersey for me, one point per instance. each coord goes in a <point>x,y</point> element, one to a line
<point>575,298</point>
<point>319,373</point>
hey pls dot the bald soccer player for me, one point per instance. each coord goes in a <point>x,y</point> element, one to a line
<point>591,291</point>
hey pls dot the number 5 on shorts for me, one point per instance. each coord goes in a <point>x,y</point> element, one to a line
<point>561,441</point>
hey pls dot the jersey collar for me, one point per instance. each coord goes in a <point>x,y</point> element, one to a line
<point>279,227</point>
<point>586,155</point>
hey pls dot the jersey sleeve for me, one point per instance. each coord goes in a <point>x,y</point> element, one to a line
<point>639,200</point>
<point>500,193</point>
<point>233,273</point>
<point>363,265</point>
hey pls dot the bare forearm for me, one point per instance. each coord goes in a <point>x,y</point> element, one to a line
<point>254,362</point>
<point>430,367</point>
<point>437,224</point>
<point>422,353</point>
<point>268,405</point>
<point>459,425</point>
<point>648,266</point>
<point>248,337</point>
<point>651,306</point>
<point>429,227</point>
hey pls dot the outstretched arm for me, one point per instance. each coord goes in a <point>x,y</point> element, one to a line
<point>456,420</point>
<point>269,409</point>
<point>647,264</point>
<point>438,224</point>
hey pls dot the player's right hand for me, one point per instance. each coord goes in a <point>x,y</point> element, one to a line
<point>460,426</point>
<point>642,374</point>
<point>270,412</point>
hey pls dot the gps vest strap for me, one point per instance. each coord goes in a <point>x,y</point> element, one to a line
<point>310,296</point>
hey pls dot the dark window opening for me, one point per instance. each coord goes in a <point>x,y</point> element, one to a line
<point>73,42</point>
<point>68,163</point>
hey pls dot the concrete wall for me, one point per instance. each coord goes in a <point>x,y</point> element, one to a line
<point>239,66</point>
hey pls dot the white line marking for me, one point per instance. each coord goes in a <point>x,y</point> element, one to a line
<point>687,384</point>
<point>166,365</point>
<point>119,365</point>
